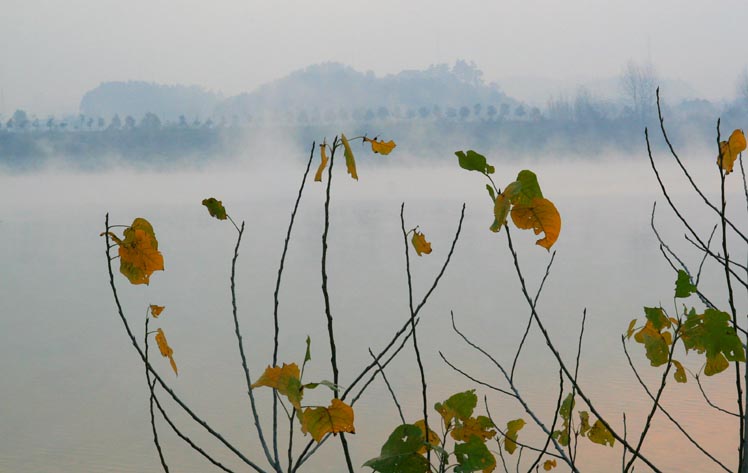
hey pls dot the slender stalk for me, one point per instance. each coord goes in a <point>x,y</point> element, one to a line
<point>276,298</point>
<point>555,419</point>
<point>389,387</point>
<point>151,400</point>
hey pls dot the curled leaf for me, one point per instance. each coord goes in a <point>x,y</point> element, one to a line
<point>630,330</point>
<point>500,212</point>
<point>680,372</point>
<point>165,349</point>
<point>381,147</point>
<point>319,421</point>
<point>215,208</point>
<point>540,216</point>
<point>548,465</point>
<point>420,244</point>
<point>730,149</point>
<point>323,163</point>
<point>156,310</point>
<point>138,252</point>
<point>350,162</point>
<point>286,380</point>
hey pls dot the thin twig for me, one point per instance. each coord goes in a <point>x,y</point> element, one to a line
<point>709,401</point>
<point>555,419</point>
<point>389,387</point>
<point>151,400</point>
<point>475,380</point>
<point>573,454</point>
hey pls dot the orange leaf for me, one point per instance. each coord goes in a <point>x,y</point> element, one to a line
<point>286,380</point>
<point>730,149</point>
<point>381,147</point>
<point>156,310</point>
<point>420,244</point>
<point>319,421</point>
<point>323,164</point>
<point>165,349</point>
<point>479,427</point>
<point>548,465</point>
<point>433,437</point>
<point>350,162</point>
<point>138,252</point>
<point>540,216</point>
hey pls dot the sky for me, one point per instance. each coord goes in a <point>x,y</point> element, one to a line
<point>53,51</point>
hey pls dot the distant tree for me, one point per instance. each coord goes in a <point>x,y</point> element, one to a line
<point>35,123</point>
<point>50,123</point>
<point>196,123</point>
<point>89,123</point>
<point>100,123</point>
<point>560,109</point>
<point>129,122</point>
<point>451,112</point>
<point>20,119</point>
<point>150,121</point>
<point>586,108</point>
<point>383,113</point>
<point>467,72</point>
<point>436,111</point>
<point>503,110</point>
<point>638,83</point>
<point>182,123</point>
<point>520,111</point>
<point>410,114</point>
<point>424,112</point>
<point>116,123</point>
<point>464,112</point>
<point>491,112</point>
<point>477,108</point>
<point>535,114</point>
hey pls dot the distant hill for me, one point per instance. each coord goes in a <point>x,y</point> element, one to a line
<point>335,87</point>
<point>137,98</point>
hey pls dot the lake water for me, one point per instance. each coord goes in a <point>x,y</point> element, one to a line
<point>73,396</point>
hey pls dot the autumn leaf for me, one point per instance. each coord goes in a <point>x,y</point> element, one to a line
<point>524,189</point>
<point>308,354</point>
<point>540,216</point>
<point>420,244</point>
<point>156,310</point>
<point>600,434</point>
<point>480,426</point>
<point>473,161</point>
<point>138,252</point>
<point>512,431</point>
<point>500,212</point>
<point>657,316</point>
<point>548,465</point>
<point>286,380</point>
<point>630,330</point>
<point>350,162</point>
<point>166,350</point>
<point>336,418</point>
<point>215,208</point>
<point>654,342</point>
<point>433,438</point>
<point>400,454</point>
<point>474,456</point>
<point>381,147</point>
<point>584,422</point>
<point>323,163</point>
<point>711,333</point>
<point>458,405</point>
<point>730,149</point>
<point>683,285</point>
<point>680,372</point>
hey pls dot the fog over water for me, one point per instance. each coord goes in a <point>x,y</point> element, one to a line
<point>74,393</point>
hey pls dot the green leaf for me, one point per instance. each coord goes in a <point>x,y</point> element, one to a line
<point>683,286</point>
<point>657,316</point>
<point>324,382</point>
<point>512,431</point>
<point>473,161</point>
<point>566,407</point>
<point>713,334</point>
<point>400,453</point>
<point>524,189</point>
<point>473,455</point>
<point>654,342</point>
<point>458,405</point>
<point>491,192</point>
<point>308,355</point>
<point>215,208</point>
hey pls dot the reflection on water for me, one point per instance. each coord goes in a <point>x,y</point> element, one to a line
<point>74,396</point>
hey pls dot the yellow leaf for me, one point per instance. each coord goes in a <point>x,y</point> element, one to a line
<point>716,364</point>
<point>350,162</point>
<point>138,252</point>
<point>512,429</point>
<point>156,310</point>
<point>630,330</point>
<point>165,349</point>
<point>730,149</point>
<point>380,146</point>
<point>584,422</point>
<point>433,437</point>
<point>479,427</point>
<point>500,211</point>
<point>420,244</point>
<point>540,216</point>
<point>600,435</point>
<point>680,373</point>
<point>323,164</point>
<point>319,421</point>
<point>548,465</point>
<point>286,380</point>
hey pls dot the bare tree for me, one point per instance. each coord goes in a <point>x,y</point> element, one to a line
<point>638,84</point>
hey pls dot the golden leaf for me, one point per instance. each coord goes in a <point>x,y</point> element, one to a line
<point>433,437</point>
<point>165,349</point>
<point>323,164</point>
<point>138,252</point>
<point>420,244</point>
<point>285,379</point>
<point>156,310</point>
<point>630,330</point>
<point>350,162</point>
<point>680,372</point>
<point>479,427</point>
<point>319,421</point>
<point>600,434</point>
<point>500,211</point>
<point>512,430</point>
<point>540,216</point>
<point>381,147</point>
<point>730,149</point>
<point>548,465</point>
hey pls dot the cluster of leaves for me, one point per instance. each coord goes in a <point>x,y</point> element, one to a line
<point>318,421</point>
<point>405,449</point>
<point>377,146</point>
<point>521,199</point>
<point>709,333</point>
<point>596,433</point>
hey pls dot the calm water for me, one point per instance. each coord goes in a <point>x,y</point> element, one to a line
<point>73,395</point>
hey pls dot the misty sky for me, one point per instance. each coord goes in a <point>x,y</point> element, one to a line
<point>52,52</point>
